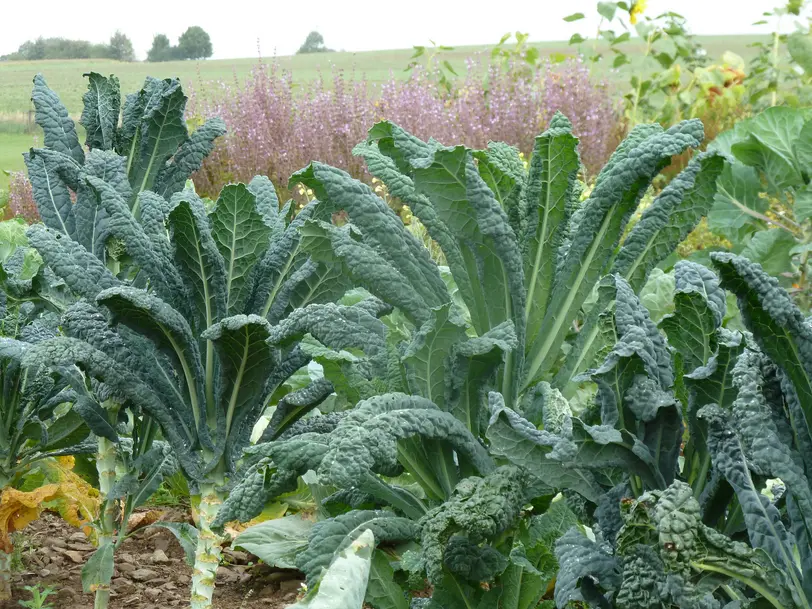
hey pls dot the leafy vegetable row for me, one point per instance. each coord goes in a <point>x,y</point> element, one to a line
<point>441,428</point>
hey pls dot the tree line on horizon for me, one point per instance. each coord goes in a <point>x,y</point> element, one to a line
<point>119,48</point>
<point>194,43</point>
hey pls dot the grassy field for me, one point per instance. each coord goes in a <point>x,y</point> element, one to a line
<point>65,77</point>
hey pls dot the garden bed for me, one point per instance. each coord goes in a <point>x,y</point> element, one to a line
<point>150,571</point>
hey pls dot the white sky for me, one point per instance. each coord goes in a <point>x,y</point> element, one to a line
<point>352,25</point>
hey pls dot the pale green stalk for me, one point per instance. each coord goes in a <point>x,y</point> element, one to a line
<point>106,467</point>
<point>5,576</point>
<point>209,547</point>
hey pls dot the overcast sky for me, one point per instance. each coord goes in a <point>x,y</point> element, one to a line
<point>280,27</point>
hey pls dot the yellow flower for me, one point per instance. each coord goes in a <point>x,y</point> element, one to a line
<point>637,8</point>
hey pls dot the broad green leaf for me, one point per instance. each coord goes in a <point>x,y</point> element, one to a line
<point>276,542</point>
<point>737,209</point>
<point>12,237</point>
<point>98,570</point>
<point>198,260</point>
<point>619,188</point>
<point>699,305</point>
<point>546,206</point>
<point>769,146</point>
<point>776,323</point>
<point>246,361</point>
<point>382,591</point>
<point>83,273</point>
<point>657,294</point>
<point>102,106</point>
<point>344,583</point>
<point>242,238</point>
<point>50,193</point>
<point>472,367</point>
<point>426,358</point>
<point>382,229</point>
<point>518,441</point>
<point>799,46</point>
<point>803,200</point>
<point>188,158</point>
<point>160,131</point>
<point>803,148</point>
<point>772,250</point>
<point>330,244</point>
<point>607,10</point>
<point>149,316</point>
<point>57,126</point>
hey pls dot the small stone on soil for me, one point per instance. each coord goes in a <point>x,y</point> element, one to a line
<point>81,547</point>
<point>143,575</point>
<point>122,585</point>
<point>159,556</point>
<point>75,556</point>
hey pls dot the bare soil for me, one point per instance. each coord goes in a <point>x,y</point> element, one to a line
<point>151,572</point>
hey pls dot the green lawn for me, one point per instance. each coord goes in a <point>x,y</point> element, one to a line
<point>65,77</point>
<point>12,146</point>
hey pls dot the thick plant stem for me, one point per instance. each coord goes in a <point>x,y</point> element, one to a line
<point>102,598</point>
<point>5,576</point>
<point>106,467</point>
<point>209,548</point>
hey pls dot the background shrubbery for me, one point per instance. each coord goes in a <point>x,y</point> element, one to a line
<point>276,126</point>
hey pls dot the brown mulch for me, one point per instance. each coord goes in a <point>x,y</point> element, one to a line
<point>151,572</point>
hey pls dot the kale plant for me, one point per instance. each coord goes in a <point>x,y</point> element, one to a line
<point>144,146</point>
<point>524,254</point>
<point>38,422</point>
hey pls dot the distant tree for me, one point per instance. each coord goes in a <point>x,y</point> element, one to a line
<point>121,47</point>
<point>161,50</point>
<point>58,48</point>
<point>314,43</point>
<point>194,43</point>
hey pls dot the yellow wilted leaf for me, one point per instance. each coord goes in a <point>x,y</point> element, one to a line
<point>271,512</point>
<point>18,509</point>
<point>79,503</point>
<point>69,495</point>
